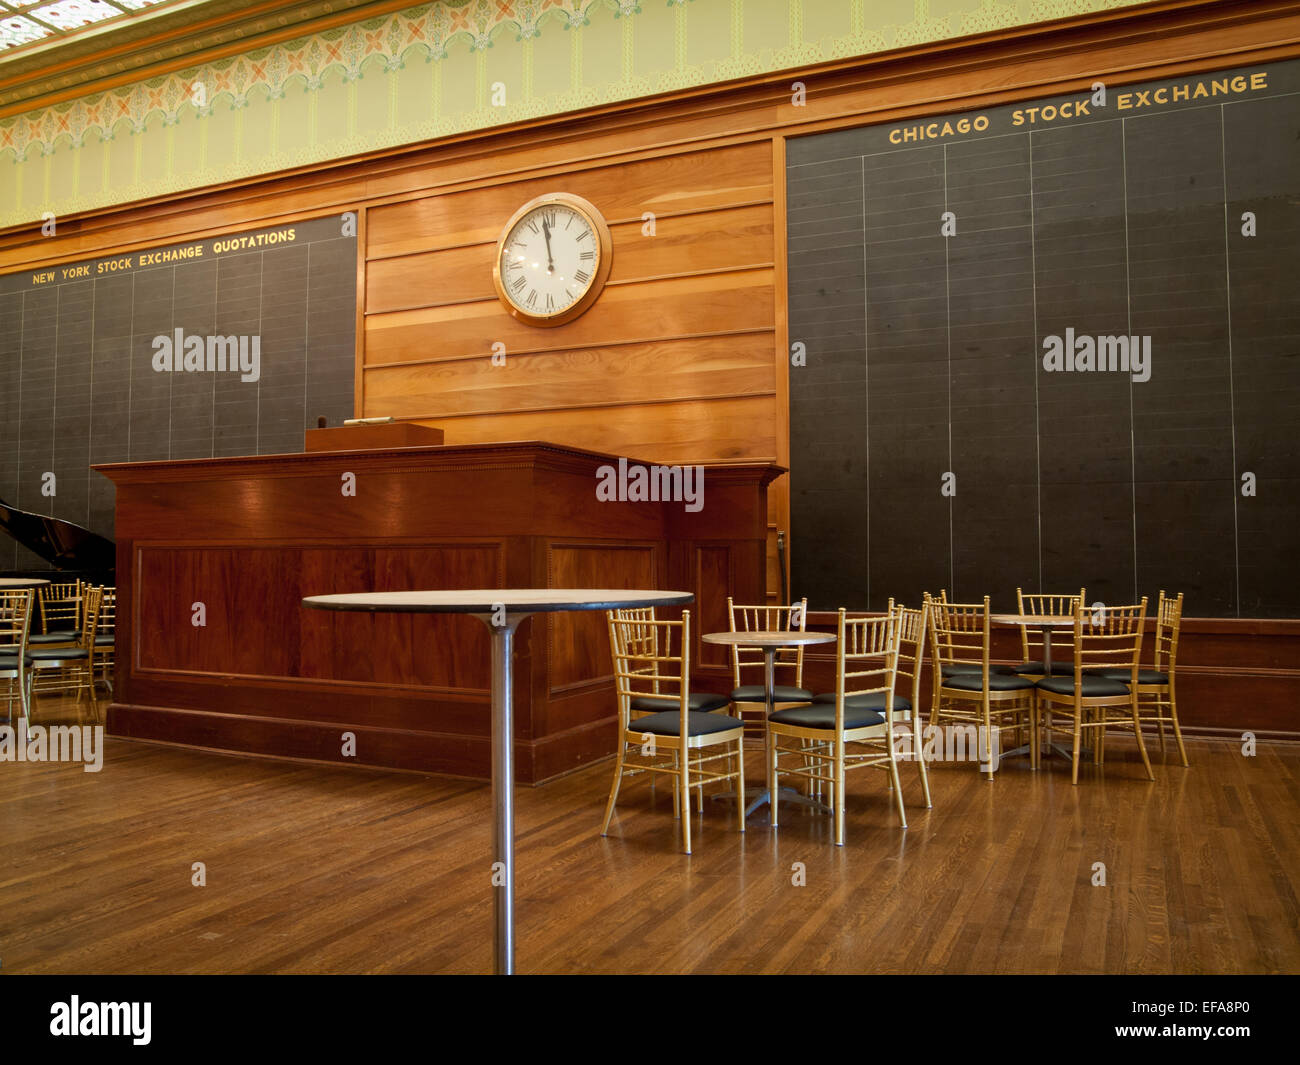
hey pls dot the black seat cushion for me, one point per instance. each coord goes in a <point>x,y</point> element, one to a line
<point>669,723</point>
<point>1059,669</point>
<point>756,693</point>
<point>998,682</point>
<point>954,669</point>
<point>9,661</point>
<point>1092,686</point>
<point>106,639</point>
<point>38,638</point>
<point>702,701</point>
<point>822,715</point>
<point>55,654</point>
<point>1145,676</point>
<point>870,701</point>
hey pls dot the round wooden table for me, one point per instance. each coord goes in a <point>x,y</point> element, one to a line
<point>501,610</point>
<point>769,642</point>
<point>1044,623</point>
<point>22,582</point>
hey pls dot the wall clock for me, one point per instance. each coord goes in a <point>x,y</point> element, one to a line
<point>553,258</point>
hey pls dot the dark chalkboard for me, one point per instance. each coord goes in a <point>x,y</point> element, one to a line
<point>80,353</point>
<point>930,265</point>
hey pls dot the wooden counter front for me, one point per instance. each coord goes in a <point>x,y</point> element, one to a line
<point>215,555</point>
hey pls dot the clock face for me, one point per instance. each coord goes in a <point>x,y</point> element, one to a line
<point>552,259</point>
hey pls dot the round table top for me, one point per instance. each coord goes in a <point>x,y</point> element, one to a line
<point>782,638</point>
<point>22,582</point>
<point>1041,621</point>
<point>487,600</point>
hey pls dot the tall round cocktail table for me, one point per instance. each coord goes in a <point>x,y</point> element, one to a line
<point>769,643</point>
<point>22,582</point>
<point>501,610</point>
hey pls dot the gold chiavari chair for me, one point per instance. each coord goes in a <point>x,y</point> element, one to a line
<point>58,614</point>
<point>1044,604</point>
<point>1157,700</point>
<point>967,690</point>
<point>912,649</point>
<point>15,628</point>
<point>105,647</point>
<point>825,730</point>
<point>658,715</point>
<point>1089,702</point>
<point>749,701</point>
<point>69,669</point>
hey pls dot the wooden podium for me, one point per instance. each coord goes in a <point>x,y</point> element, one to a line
<point>215,555</point>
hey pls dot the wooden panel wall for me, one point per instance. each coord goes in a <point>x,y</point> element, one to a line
<point>675,361</point>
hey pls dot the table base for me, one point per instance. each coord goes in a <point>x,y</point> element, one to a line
<point>763,796</point>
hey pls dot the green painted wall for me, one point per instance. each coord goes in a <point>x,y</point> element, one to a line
<point>435,70</point>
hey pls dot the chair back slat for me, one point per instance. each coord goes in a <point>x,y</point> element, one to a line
<point>959,634</point>
<point>866,661</point>
<point>15,619</point>
<point>1169,619</point>
<point>1110,638</point>
<point>92,597</point>
<point>60,608</point>
<point>912,628</point>
<point>1044,604</point>
<point>107,621</point>
<point>767,619</point>
<point>651,659</point>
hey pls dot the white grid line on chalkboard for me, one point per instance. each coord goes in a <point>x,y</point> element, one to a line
<point>947,329</point>
<point>1232,384</point>
<point>866,367</point>
<point>1128,312</point>
<point>1038,431</point>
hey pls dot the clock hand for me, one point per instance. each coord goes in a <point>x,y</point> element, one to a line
<point>550,262</point>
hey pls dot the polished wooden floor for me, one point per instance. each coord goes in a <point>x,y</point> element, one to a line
<point>313,870</point>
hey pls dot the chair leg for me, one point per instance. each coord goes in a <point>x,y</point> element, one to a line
<point>676,791</point>
<point>898,787</point>
<point>740,783</point>
<point>839,792</point>
<point>1074,757</point>
<point>918,752</point>
<point>613,790</point>
<point>773,781</point>
<point>685,781</point>
<point>1035,754</point>
<point>1178,732</point>
<point>1142,746</point>
<point>988,742</point>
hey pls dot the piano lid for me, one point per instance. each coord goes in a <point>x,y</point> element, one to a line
<point>63,544</point>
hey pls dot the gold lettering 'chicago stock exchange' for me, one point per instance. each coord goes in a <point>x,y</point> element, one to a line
<point>1089,105</point>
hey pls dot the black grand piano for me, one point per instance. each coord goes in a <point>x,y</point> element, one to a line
<point>70,549</point>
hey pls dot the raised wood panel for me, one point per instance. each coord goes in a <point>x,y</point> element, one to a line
<point>626,373</point>
<point>689,243</point>
<point>685,182</point>
<point>579,641</point>
<point>253,629</point>
<point>661,432</point>
<point>713,576</point>
<point>652,310</point>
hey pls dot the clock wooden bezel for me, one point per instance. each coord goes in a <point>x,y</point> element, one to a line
<point>598,226</point>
